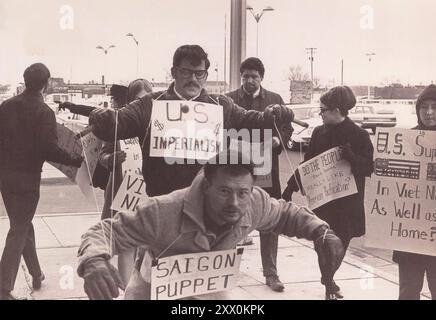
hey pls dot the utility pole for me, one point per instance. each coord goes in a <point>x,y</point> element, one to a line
<point>225,53</point>
<point>342,72</point>
<point>369,55</point>
<point>237,40</point>
<point>311,51</point>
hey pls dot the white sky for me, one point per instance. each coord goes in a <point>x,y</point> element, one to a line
<point>402,38</point>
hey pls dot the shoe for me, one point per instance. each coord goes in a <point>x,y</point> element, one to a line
<point>247,241</point>
<point>37,281</point>
<point>274,283</point>
<point>8,295</point>
<point>337,291</point>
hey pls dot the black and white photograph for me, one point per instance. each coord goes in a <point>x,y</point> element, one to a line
<point>229,151</point>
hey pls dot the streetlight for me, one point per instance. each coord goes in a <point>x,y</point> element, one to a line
<point>105,50</point>
<point>137,51</point>
<point>257,17</point>
<point>369,55</point>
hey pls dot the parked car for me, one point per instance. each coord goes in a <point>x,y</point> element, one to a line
<point>301,135</point>
<point>371,117</point>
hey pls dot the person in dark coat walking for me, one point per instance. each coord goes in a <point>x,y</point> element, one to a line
<point>28,138</point>
<point>412,266</point>
<point>346,216</point>
<point>252,96</point>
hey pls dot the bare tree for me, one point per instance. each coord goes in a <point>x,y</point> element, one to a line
<point>296,74</point>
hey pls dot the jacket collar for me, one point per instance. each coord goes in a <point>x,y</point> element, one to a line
<point>171,94</point>
<point>242,93</point>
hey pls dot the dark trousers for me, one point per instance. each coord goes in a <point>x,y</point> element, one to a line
<point>268,251</point>
<point>411,278</point>
<point>20,192</point>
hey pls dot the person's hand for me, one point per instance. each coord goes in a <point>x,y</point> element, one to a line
<point>77,161</point>
<point>347,152</point>
<point>119,156</point>
<point>102,280</point>
<point>279,113</point>
<point>330,252</point>
<point>65,105</point>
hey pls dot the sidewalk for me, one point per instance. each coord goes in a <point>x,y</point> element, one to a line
<point>361,276</point>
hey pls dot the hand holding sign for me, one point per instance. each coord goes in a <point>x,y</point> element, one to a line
<point>118,157</point>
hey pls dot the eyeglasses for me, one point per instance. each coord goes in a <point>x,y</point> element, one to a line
<point>187,73</point>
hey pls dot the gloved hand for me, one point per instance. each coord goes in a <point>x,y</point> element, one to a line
<point>281,114</point>
<point>65,105</point>
<point>77,161</point>
<point>120,157</point>
<point>330,252</point>
<point>347,152</point>
<point>102,280</point>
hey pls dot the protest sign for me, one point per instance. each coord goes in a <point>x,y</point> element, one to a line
<point>133,163</point>
<point>192,274</point>
<point>400,200</point>
<point>260,154</point>
<point>186,129</point>
<point>326,177</point>
<point>89,147</point>
<point>130,194</point>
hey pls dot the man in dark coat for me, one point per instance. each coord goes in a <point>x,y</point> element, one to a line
<point>252,96</point>
<point>28,138</point>
<point>346,216</point>
<point>413,266</point>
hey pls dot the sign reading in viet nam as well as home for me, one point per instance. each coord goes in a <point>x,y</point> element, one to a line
<point>327,177</point>
<point>193,274</point>
<point>186,129</point>
<point>400,197</point>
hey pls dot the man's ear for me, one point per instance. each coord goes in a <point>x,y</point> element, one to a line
<point>205,185</point>
<point>173,72</point>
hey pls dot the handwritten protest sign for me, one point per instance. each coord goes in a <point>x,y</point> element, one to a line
<point>193,274</point>
<point>130,194</point>
<point>89,146</point>
<point>186,129</point>
<point>327,177</point>
<point>260,154</point>
<point>400,200</point>
<point>133,163</point>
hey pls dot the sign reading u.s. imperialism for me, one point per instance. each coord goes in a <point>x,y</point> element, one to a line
<point>400,200</point>
<point>186,129</point>
<point>327,177</point>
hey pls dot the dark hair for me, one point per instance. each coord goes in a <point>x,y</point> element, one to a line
<point>233,163</point>
<point>341,97</point>
<point>36,77</point>
<point>253,64</point>
<point>194,53</point>
<point>136,86</point>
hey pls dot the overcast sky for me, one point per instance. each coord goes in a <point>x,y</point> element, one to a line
<point>402,38</point>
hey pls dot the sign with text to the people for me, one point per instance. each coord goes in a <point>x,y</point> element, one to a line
<point>130,194</point>
<point>400,199</point>
<point>186,129</point>
<point>327,177</point>
<point>133,163</point>
<point>186,275</point>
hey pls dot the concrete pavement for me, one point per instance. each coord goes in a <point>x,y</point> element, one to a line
<point>361,276</point>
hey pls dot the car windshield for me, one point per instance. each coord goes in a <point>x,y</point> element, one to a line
<point>306,113</point>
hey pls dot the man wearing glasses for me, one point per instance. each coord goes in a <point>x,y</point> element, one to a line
<point>190,71</point>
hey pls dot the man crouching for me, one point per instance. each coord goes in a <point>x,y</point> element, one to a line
<point>221,207</point>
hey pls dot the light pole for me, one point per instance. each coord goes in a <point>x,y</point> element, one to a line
<point>257,17</point>
<point>137,51</point>
<point>312,51</point>
<point>369,55</point>
<point>105,50</point>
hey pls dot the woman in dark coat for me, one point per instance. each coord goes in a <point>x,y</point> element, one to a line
<point>413,266</point>
<point>346,216</point>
